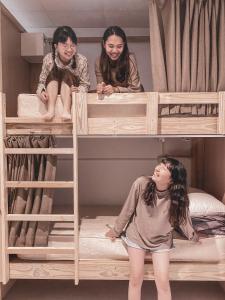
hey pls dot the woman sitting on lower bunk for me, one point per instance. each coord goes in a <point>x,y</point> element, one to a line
<point>155,205</point>
<point>116,69</point>
<point>63,71</point>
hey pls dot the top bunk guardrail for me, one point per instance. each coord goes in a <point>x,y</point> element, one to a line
<point>133,114</point>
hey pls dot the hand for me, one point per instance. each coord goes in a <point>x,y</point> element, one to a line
<point>108,89</point>
<point>100,88</point>
<point>111,234</point>
<point>74,88</point>
<point>196,239</point>
<point>44,96</point>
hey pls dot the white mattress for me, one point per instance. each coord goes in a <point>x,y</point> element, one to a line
<point>29,105</point>
<point>94,244</point>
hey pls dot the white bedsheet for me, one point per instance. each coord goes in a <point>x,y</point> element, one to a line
<point>94,244</point>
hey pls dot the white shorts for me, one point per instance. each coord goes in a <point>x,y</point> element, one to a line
<point>131,244</point>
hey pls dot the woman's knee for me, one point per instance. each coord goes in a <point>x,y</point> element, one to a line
<point>162,283</point>
<point>136,280</point>
<point>70,79</point>
<point>52,85</point>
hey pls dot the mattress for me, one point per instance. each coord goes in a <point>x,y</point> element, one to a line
<point>95,246</point>
<point>29,105</point>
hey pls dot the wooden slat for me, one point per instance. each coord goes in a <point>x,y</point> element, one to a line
<point>36,217</point>
<point>75,187</point>
<point>152,113</point>
<point>40,250</point>
<point>39,184</point>
<point>193,125</point>
<point>101,126</point>
<point>113,270</point>
<point>54,151</point>
<point>131,125</point>
<point>115,126</point>
<point>188,98</point>
<point>80,100</point>
<point>120,98</point>
<point>221,119</point>
<point>3,196</point>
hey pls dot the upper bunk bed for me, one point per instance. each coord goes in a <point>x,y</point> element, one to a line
<point>133,114</point>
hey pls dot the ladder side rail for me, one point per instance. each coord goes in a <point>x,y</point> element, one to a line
<point>75,188</point>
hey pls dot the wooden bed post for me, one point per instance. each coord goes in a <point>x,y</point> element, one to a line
<point>152,113</point>
<point>76,105</point>
<point>81,117</point>
<point>221,119</point>
<point>3,195</point>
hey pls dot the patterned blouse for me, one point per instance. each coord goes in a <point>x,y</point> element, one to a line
<point>81,71</point>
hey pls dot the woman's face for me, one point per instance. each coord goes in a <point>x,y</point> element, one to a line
<point>161,176</point>
<point>66,50</point>
<point>114,46</point>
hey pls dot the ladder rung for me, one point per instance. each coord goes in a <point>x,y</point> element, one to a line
<point>39,150</point>
<point>36,217</point>
<point>39,184</point>
<point>40,250</point>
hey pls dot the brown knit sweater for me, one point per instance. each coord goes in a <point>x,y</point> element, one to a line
<point>149,226</point>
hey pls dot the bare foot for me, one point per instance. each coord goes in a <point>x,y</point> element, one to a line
<point>66,116</point>
<point>48,116</point>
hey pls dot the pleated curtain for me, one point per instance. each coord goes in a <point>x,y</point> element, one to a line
<point>187,45</point>
<point>26,200</point>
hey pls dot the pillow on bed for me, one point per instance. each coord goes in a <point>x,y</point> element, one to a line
<point>203,204</point>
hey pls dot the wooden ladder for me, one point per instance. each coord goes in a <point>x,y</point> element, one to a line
<point>11,126</point>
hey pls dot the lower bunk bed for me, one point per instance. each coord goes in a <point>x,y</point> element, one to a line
<point>102,259</point>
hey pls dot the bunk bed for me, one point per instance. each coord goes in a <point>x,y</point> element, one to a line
<point>66,256</point>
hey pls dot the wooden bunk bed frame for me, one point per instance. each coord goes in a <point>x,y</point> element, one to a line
<point>118,115</point>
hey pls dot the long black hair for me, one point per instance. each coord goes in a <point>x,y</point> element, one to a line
<point>177,191</point>
<point>61,35</point>
<point>122,65</point>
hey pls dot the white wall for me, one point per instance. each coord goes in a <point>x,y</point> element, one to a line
<point>108,166</point>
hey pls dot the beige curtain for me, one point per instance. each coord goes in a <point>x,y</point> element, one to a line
<point>30,201</point>
<point>187,42</point>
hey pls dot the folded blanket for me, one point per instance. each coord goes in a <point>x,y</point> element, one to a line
<point>210,225</point>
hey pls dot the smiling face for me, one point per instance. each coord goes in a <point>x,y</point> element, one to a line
<point>114,46</point>
<point>66,50</point>
<point>162,177</point>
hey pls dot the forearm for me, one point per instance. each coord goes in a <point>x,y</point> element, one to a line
<point>188,229</point>
<point>84,87</point>
<point>129,89</point>
<point>40,89</point>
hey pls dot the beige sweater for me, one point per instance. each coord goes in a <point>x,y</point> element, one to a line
<point>148,226</point>
<point>134,84</point>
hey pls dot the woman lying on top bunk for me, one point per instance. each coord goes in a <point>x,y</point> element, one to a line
<point>116,69</point>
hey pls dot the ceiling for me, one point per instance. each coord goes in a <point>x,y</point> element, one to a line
<point>91,17</point>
